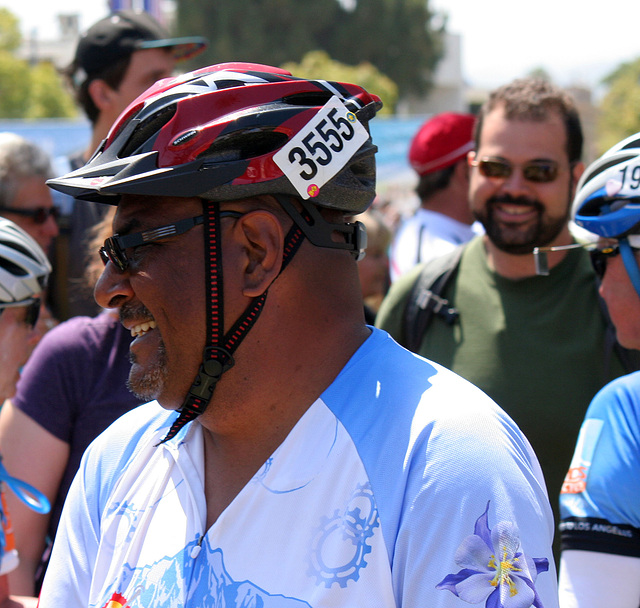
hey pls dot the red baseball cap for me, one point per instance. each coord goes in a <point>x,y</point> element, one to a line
<point>442,141</point>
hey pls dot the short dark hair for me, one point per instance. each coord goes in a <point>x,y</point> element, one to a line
<point>533,99</point>
<point>113,75</point>
<point>430,183</point>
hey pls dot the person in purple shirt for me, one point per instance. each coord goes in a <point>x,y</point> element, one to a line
<point>72,388</point>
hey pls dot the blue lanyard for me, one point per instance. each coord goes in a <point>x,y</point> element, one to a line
<point>31,497</point>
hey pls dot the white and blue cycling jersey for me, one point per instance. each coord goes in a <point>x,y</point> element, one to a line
<point>401,486</point>
<point>600,499</point>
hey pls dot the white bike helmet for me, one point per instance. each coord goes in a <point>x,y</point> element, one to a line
<point>24,267</point>
<point>607,200</point>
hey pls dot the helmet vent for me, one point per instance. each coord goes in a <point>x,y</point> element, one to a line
<point>18,247</point>
<point>12,268</point>
<point>310,99</point>
<point>245,144</point>
<point>145,131</point>
<point>228,84</point>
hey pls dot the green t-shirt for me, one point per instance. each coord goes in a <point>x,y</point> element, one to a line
<point>535,345</point>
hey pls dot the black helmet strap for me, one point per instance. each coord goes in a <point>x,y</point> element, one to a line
<point>320,232</point>
<point>218,353</point>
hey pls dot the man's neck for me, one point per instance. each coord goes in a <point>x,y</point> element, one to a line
<point>512,266</point>
<point>243,429</point>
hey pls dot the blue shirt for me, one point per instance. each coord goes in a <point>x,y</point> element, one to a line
<point>600,499</point>
<point>402,485</point>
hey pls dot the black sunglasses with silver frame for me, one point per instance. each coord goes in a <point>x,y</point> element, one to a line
<point>114,249</point>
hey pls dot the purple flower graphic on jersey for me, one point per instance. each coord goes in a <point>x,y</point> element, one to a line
<point>494,570</point>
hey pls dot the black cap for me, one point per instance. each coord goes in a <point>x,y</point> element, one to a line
<point>123,33</point>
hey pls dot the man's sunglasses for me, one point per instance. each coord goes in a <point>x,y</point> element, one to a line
<point>114,249</point>
<point>39,215</point>
<point>538,171</point>
<point>32,310</point>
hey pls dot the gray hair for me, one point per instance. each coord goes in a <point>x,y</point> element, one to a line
<point>20,159</point>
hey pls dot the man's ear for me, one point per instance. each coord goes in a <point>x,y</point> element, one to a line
<point>262,237</point>
<point>101,93</point>
<point>461,170</point>
<point>577,169</point>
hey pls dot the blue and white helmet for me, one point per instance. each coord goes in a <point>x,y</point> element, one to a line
<point>24,267</point>
<point>607,200</point>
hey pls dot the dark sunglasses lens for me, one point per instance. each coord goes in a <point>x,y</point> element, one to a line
<point>41,214</point>
<point>494,168</point>
<point>599,263</point>
<point>599,259</point>
<point>114,254</point>
<point>33,312</point>
<point>104,256</point>
<point>540,172</point>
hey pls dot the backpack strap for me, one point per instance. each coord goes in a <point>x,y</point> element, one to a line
<point>425,299</point>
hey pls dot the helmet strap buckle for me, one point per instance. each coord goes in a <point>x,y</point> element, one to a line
<point>320,232</point>
<point>216,361</point>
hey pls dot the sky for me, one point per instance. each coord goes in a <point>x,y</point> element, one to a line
<point>40,15</point>
<point>576,42</point>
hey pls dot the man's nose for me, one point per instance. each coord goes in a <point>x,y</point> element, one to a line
<point>113,288</point>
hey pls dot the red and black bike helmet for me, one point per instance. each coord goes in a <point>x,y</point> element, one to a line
<point>214,132</point>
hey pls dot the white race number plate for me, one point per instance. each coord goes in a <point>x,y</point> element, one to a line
<point>322,148</point>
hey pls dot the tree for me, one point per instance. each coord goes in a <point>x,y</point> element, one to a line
<point>47,97</point>
<point>395,36</point>
<point>26,91</point>
<point>9,31</point>
<point>318,64</point>
<point>540,73</point>
<point>259,31</point>
<point>14,86</point>
<point>619,116</point>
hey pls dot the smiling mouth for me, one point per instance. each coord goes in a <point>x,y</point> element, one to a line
<point>514,214</point>
<point>141,329</point>
<point>515,210</point>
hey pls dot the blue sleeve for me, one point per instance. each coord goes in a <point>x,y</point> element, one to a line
<point>462,502</point>
<point>477,516</point>
<point>600,498</point>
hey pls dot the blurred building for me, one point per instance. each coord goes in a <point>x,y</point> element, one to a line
<point>60,49</point>
<point>449,90</point>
